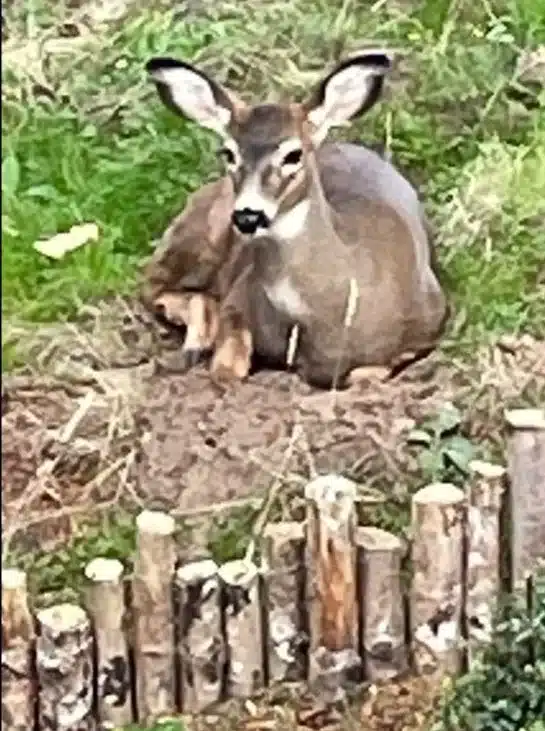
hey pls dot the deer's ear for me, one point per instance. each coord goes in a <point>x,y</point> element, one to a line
<point>347,92</point>
<point>191,93</point>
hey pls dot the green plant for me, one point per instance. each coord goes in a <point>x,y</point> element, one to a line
<point>445,453</point>
<point>537,726</point>
<point>230,535</point>
<point>167,725</point>
<point>505,690</point>
<point>62,569</point>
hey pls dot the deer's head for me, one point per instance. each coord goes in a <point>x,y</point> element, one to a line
<point>268,148</point>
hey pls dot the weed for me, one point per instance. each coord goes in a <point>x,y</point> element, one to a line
<point>60,572</point>
<point>445,454</point>
<point>506,687</point>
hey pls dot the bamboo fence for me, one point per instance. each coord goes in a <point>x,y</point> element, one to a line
<point>327,603</point>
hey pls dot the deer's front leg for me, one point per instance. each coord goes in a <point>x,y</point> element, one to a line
<point>232,358</point>
<point>200,315</point>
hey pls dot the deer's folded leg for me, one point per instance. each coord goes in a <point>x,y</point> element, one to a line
<point>199,313</point>
<point>173,307</point>
<point>202,327</point>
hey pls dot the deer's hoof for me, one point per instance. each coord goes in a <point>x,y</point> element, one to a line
<point>225,373</point>
<point>193,356</point>
<point>230,364</point>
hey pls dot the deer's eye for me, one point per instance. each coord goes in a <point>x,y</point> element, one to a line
<point>227,155</point>
<point>293,158</point>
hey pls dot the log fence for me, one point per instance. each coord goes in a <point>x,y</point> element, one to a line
<point>325,605</point>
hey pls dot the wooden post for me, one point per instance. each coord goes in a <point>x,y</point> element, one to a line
<point>438,516</point>
<point>18,685</point>
<point>283,569</point>
<point>106,607</point>
<point>526,466</point>
<point>243,627</point>
<point>381,604</point>
<point>65,669</point>
<point>485,494</point>
<point>334,662</point>
<point>200,641</point>
<point>154,616</point>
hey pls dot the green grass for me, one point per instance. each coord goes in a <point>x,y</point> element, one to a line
<point>106,151</point>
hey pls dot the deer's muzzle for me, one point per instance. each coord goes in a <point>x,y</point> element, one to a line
<point>248,221</point>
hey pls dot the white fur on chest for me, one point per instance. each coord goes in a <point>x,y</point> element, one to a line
<point>285,297</point>
<point>292,223</point>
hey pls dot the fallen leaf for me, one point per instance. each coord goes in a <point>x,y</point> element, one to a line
<point>60,244</point>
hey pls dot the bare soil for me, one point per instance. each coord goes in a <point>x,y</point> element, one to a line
<point>100,420</point>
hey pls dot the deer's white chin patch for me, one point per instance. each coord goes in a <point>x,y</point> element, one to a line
<point>289,225</point>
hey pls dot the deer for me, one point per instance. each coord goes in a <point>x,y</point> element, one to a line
<point>333,228</point>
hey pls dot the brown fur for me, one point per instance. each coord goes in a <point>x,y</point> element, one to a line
<point>197,265</point>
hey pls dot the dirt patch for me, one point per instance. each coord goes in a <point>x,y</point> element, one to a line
<point>97,423</point>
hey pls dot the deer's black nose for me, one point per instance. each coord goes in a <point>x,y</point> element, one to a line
<point>248,221</point>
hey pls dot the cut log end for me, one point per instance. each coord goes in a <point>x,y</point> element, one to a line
<point>331,490</point>
<point>334,497</point>
<point>238,573</point>
<point>525,418</point>
<point>156,522</point>
<point>439,493</point>
<point>13,579</point>
<point>196,571</point>
<point>104,570</point>
<point>488,470</point>
<point>284,532</point>
<point>376,539</point>
<point>63,618</point>
<point>17,625</point>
